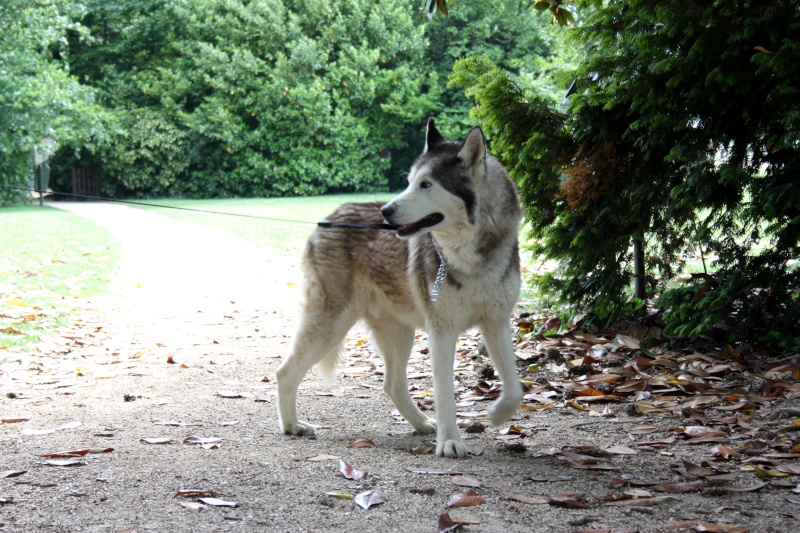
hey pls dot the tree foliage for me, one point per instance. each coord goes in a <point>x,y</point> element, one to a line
<point>683,132</point>
<point>39,99</point>
<point>215,98</point>
<point>265,97</point>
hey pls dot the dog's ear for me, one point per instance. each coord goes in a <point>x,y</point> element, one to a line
<point>432,137</point>
<point>473,152</point>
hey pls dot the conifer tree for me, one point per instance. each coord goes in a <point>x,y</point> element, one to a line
<point>683,132</point>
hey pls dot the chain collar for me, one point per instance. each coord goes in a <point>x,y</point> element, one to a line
<point>441,274</point>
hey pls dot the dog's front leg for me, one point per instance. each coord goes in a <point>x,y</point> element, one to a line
<point>443,351</point>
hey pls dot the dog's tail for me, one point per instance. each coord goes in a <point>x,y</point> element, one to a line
<point>327,367</point>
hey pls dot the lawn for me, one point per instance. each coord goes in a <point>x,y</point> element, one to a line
<point>49,259</point>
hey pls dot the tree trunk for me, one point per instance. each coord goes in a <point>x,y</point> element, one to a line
<point>639,289</point>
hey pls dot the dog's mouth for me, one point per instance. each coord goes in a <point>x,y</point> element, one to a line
<point>404,230</point>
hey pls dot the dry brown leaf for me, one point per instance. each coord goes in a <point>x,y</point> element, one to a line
<point>465,499</point>
<point>351,472</point>
<point>446,524</point>
<point>643,429</point>
<point>361,442</point>
<point>195,439</point>
<point>566,500</point>
<point>789,469</point>
<point>78,453</point>
<point>421,450</point>
<point>723,453</point>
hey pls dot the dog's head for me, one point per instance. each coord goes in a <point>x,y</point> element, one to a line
<point>442,185</point>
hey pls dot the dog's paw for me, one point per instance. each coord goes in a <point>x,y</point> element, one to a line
<point>501,410</point>
<point>426,426</point>
<point>451,448</point>
<point>299,428</point>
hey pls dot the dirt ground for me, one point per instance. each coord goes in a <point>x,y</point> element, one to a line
<point>188,345</point>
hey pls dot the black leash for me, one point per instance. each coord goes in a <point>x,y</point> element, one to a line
<point>322,224</point>
<point>329,224</point>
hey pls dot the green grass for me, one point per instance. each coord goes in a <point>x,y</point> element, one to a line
<point>49,259</point>
<point>296,217</point>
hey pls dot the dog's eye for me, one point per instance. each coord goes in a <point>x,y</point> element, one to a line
<point>425,185</point>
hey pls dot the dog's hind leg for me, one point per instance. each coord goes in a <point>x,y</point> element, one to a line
<point>395,341</point>
<point>497,335</point>
<point>318,337</point>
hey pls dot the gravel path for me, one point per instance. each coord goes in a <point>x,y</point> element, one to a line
<point>188,345</point>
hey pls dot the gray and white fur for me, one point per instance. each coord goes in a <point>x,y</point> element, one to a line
<point>458,218</point>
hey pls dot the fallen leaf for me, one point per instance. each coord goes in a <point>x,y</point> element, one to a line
<point>351,472</point>
<point>78,453</point>
<point>697,470</point>
<point>789,469</point>
<point>341,494</point>
<point>695,432</point>
<point>723,453</point>
<point>587,462</point>
<point>765,473</point>
<point>465,481</point>
<point>157,440</point>
<point>643,429</point>
<point>65,462</point>
<point>749,488</point>
<point>465,499</point>
<point>14,420</point>
<point>369,498</point>
<point>217,502</point>
<point>446,524</point>
<point>566,500</point>
<point>194,439</point>
<point>421,450</point>
<point>11,473</point>
<point>361,442</point>
<point>322,457</point>
<point>621,450</point>
<point>194,506</point>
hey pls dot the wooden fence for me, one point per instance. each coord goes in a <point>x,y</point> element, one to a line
<point>84,182</point>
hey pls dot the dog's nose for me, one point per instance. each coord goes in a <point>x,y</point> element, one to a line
<point>387,210</point>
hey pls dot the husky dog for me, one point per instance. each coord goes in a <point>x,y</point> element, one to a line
<point>452,264</point>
